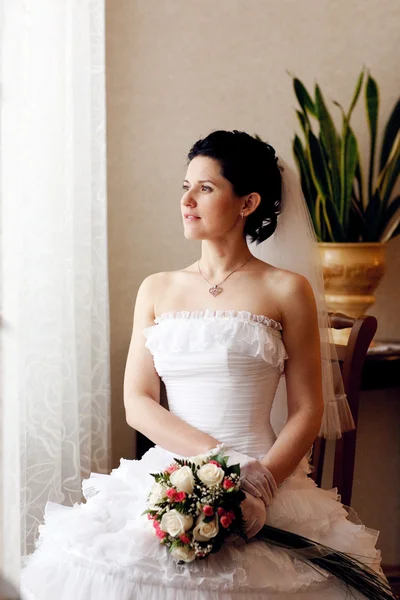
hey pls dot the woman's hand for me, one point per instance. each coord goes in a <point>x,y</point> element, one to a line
<point>254,477</point>
<point>254,514</point>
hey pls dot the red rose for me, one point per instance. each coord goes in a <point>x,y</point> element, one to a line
<point>214,462</point>
<point>227,484</point>
<point>231,515</point>
<point>225,521</point>
<point>208,510</point>
<point>221,511</point>
<point>184,538</point>
<point>179,496</point>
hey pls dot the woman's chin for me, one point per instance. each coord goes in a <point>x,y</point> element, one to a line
<point>192,235</point>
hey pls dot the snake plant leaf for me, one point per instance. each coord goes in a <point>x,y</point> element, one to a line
<point>371,218</point>
<point>392,217</point>
<point>321,179</point>
<point>318,167</point>
<point>303,121</point>
<point>331,144</point>
<point>372,105</point>
<point>396,232</point>
<point>360,186</point>
<point>391,173</point>
<point>391,130</point>
<point>307,184</point>
<point>393,208</point>
<point>304,98</point>
<point>318,221</point>
<point>350,159</point>
<point>356,95</point>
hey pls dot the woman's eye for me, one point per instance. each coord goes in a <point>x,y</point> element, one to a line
<point>185,187</point>
<point>206,188</point>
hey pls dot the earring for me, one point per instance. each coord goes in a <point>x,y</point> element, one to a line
<point>242,215</point>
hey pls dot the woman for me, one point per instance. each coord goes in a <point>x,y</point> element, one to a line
<point>220,333</point>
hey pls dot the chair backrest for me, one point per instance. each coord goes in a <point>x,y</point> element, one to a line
<point>351,358</point>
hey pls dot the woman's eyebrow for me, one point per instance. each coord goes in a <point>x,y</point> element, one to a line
<point>201,181</point>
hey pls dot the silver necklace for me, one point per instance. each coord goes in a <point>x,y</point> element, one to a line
<point>216,289</point>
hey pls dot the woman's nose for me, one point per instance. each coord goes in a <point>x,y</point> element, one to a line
<point>187,199</point>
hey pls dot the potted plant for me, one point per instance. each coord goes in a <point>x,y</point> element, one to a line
<point>354,214</point>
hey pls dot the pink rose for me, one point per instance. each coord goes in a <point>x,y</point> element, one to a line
<point>179,496</point>
<point>150,517</point>
<point>214,462</point>
<point>227,484</point>
<point>208,510</point>
<point>161,534</point>
<point>156,524</point>
<point>184,538</point>
<point>171,468</point>
<point>171,493</point>
<point>225,521</point>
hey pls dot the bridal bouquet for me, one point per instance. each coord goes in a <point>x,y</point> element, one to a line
<point>194,506</point>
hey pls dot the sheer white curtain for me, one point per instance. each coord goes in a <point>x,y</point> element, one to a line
<point>55,389</point>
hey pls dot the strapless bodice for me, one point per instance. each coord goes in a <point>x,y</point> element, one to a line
<point>221,370</point>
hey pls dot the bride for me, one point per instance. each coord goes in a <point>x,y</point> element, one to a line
<point>239,339</point>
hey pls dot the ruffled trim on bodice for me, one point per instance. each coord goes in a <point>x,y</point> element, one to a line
<point>237,330</point>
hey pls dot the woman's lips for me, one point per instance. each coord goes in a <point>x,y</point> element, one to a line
<point>191,218</point>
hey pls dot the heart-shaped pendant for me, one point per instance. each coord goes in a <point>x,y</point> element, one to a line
<point>215,290</point>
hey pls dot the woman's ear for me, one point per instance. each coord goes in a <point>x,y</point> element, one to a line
<point>252,202</point>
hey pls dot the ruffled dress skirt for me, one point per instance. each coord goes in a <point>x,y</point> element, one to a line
<point>105,549</point>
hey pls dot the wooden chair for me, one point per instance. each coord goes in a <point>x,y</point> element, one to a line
<point>351,358</point>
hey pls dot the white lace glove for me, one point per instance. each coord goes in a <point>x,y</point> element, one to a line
<point>254,477</point>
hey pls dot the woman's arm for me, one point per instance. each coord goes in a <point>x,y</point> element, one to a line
<point>303,378</point>
<point>142,385</point>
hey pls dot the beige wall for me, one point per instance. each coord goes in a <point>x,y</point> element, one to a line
<point>177,69</point>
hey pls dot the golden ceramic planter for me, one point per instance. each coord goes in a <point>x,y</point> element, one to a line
<point>352,273</point>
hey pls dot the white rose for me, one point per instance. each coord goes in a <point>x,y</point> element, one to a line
<point>157,494</point>
<point>183,479</point>
<point>205,531</point>
<point>183,553</point>
<point>175,523</point>
<point>210,474</point>
<point>199,459</point>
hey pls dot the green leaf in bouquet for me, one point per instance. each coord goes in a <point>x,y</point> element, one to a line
<point>221,458</point>
<point>235,469</point>
<point>183,462</point>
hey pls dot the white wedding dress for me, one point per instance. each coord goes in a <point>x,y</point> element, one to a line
<point>221,370</point>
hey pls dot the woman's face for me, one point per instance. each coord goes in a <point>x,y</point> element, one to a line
<point>209,205</point>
